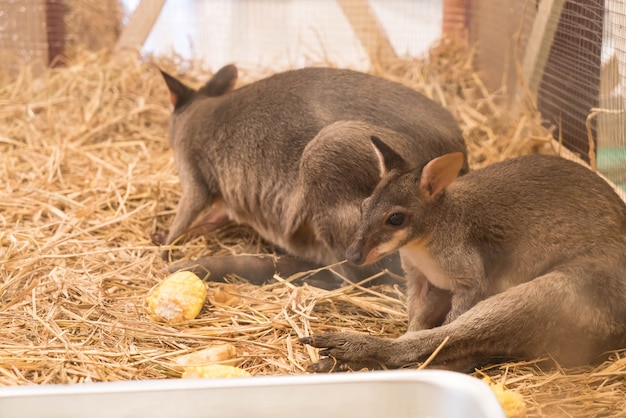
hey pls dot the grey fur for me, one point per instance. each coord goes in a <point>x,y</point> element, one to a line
<point>289,155</point>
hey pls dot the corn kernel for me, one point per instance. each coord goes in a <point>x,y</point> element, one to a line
<point>512,402</point>
<point>213,371</point>
<point>222,353</point>
<point>179,297</point>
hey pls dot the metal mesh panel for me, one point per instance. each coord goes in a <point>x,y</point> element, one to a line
<point>22,32</point>
<point>39,31</point>
<point>611,135</point>
<point>499,32</point>
<point>580,68</point>
<point>571,79</point>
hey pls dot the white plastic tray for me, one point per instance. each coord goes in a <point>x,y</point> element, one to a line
<point>393,394</point>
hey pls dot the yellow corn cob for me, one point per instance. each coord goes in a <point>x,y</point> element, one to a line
<point>179,297</point>
<point>223,354</point>
<point>213,371</point>
<point>512,402</point>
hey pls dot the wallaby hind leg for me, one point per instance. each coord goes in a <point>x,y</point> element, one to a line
<point>209,220</point>
<point>192,202</point>
<point>559,314</point>
<point>260,269</point>
<point>205,221</point>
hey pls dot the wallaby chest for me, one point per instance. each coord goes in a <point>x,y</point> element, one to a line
<point>417,256</point>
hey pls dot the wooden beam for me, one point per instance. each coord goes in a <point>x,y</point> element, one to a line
<point>139,25</point>
<point>540,43</point>
<point>369,30</point>
<point>455,19</point>
<point>55,31</point>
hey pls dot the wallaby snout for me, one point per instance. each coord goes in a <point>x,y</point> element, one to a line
<point>355,254</point>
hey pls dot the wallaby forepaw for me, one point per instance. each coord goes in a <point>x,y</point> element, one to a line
<point>345,346</point>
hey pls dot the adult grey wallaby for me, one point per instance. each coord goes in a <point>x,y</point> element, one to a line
<point>290,156</point>
<point>521,259</point>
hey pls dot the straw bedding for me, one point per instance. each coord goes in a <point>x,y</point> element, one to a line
<point>86,175</point>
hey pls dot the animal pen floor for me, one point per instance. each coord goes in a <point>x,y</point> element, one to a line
<point>86,175</point>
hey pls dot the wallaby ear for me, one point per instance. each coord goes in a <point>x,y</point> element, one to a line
<point>387,157</point>
<point>440,172</point>
<point>222,82</point>
<point>179,92</point>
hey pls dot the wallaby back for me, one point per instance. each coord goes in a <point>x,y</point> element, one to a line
<point>244,148</point>
<point>523,258</point>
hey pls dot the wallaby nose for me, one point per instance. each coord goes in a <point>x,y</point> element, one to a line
<point>354,253</point>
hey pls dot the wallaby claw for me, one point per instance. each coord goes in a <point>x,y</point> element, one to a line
<point>328,365</point>
<point>306,340</point>
<point>347,347</point>
<point>332,365</point>
<point>157,239</point>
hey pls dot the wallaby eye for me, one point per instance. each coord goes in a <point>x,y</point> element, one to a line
<point>395,219</point>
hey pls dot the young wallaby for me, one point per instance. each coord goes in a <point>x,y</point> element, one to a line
<point>521,259</point>
<point>289,155</point>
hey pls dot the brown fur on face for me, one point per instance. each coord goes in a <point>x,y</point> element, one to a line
<point>521,259</point>
<point>290,155</point>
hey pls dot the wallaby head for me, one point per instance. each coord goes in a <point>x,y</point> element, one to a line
<point>396,211</point>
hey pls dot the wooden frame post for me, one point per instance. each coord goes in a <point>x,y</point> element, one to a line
<point>369,30</point>
<point>139,25</point>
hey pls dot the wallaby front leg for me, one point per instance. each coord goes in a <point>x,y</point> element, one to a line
<point>210,219</point>
<point>462,301</point>
<point>427,305</point>
<point>347,351</point>
<point>193,200</point>
<point>468,282</point>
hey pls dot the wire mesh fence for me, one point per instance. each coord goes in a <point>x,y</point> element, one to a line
<point>580,60</point>
<point>23,34</point>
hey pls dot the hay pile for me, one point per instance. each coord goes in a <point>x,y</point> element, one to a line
<point>91,25</point>
<point>86,176</point>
